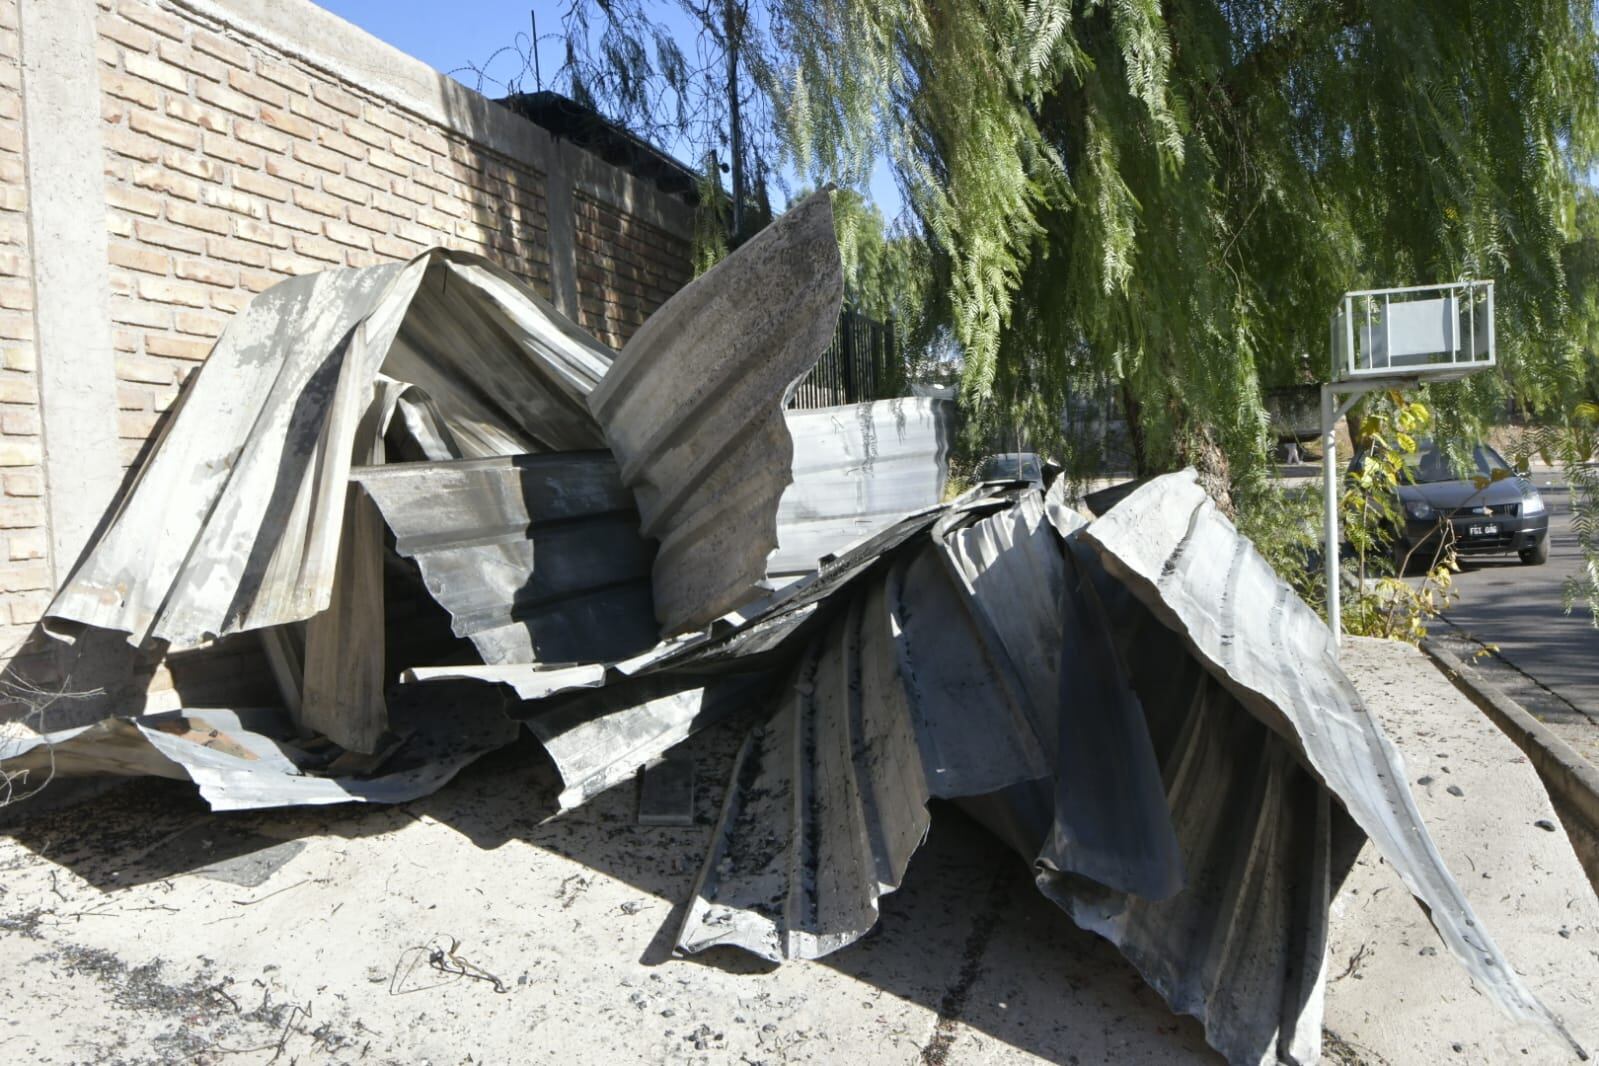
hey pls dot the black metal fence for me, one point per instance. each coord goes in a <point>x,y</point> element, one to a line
<point>863,363</point>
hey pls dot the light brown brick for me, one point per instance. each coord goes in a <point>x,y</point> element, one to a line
<point>258,88</point>
<point>229,302</point>
<point>319,202</point>
<point>344,233</point>
<point>287,264</point>
<point>416,234</point>
<point>135,257</point>
<point>294,218</point>
<point>16,327</point>
<point>185,110</point>
<point>230,52</point>
<point>318,248</point>
<point>431,139</point>
<point>290,170</point>
<point>125,33</point>
<point>21,422</point>
<point>233,200</point>
<point>21,514</point>
<point>337,99</point>
<point>148,17</point>
<point>196,166</point>
<point>369,176</point>
<point>131,311</point>
<point>261,185</point>
<point>307,108</point>
<point>345,189</point>
<point>226,148</point>
<point>434,221</point>
<point>390,162</point>
<point>368,218</point>
<point>394,247</point>
<point>254,281</point>
<point>406,150</point>
<point>262,136</point>
<point>207,218</point>
<point>133,90</point>
<point>176,347</point>
<point>136,425</point>
<point>25,483</point>
<point>297,84</point>
<point>18,390</point>
<point>161,180</point>
<point>155,70</point>
<point>164,129</point>
<point>186,58</point>
<point>16,296</point>
<point>126,199</point>
<point>23,578</point>
<point>260,233</point>
<point>411,193</point>
<point>225,98</point>
<point>231,250</point>
<point>140,368</point>
<point>199,325</point>
<point>205,272</point>
<point>20,453</point>
<point>284,122</point>
<point>387,119</point>
<point>318,157</point>
<point>20,546</point>
<point>166,291</point>
<point>367,133</point>
<point>342,143</point>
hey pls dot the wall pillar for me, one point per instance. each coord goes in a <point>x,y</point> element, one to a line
<point>559,205</point>
<point>64,161</point>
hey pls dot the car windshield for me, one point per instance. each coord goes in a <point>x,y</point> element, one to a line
<point>1429,465</point>
<point>1018,467</point>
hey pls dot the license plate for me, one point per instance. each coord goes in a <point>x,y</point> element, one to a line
<point>1482,531</point>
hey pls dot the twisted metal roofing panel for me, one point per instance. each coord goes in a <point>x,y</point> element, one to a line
<point>692,409</point>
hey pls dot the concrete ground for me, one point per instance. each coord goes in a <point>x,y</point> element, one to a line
<point>138,927</point>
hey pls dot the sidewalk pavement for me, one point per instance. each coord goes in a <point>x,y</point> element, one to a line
<point>464,927</point>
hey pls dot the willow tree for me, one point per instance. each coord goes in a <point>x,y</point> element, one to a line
<point>1167,198</point>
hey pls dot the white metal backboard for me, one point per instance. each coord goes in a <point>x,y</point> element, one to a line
<point>1437,332</point>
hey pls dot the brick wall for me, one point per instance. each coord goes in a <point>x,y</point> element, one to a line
<point>229,167</point>
<point>626,269</point>
<point>25,577</point>
<point>245,141</point>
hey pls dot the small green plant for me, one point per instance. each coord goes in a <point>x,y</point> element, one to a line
<point>1285,526</point>
<point>1383,603</point>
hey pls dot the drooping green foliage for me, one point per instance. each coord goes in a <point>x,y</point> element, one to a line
<point>1167,198</point>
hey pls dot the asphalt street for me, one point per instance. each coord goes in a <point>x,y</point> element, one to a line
<point>1518,610</point>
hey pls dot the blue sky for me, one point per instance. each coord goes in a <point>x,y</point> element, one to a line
<point>452,36</point>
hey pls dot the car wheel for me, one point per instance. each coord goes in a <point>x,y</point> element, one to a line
<point>1536,555</point>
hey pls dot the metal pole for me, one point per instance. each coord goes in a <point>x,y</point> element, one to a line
<point>1329,473</point>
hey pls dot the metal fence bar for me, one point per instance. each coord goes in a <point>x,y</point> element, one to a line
<point>860,364</point>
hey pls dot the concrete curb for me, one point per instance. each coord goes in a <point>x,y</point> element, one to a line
<point>1572,781</point>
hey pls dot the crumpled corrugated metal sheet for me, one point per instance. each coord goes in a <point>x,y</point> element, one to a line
<point>603,722</point>
<point>249,759</point>
<point>858,468</point>
<point>538,558</point>
<point>247,481</point>
<point>1168,544</point>
<point>692,408</point>
<point>939,679</point>
<point>1184,831</point>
